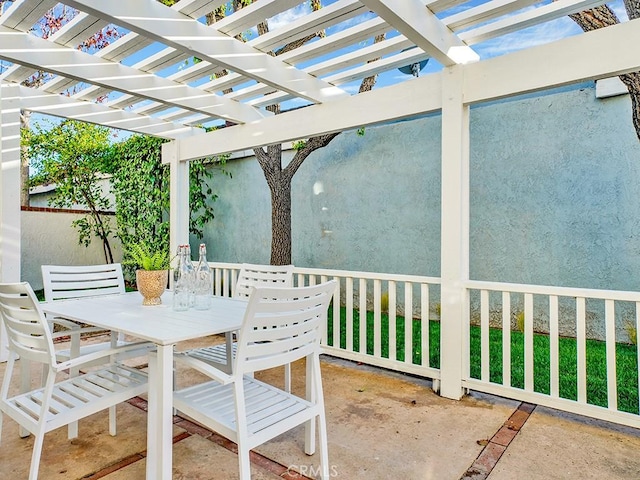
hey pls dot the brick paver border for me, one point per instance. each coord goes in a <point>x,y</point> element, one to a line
<point>496,446</point>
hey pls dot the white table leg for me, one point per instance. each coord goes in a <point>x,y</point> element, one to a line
<point>160,414</point>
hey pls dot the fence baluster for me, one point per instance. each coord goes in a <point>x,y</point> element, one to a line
<point>554,346</point>
<point>528,342</point>
<point>610,346</point>
<point>484,335</point>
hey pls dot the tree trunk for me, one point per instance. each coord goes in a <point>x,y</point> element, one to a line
<point>603,16</point>
<point>281,224</point>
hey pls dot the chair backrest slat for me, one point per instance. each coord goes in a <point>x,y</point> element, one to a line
<point>282,325</point>
<point>252,275</point>
<point>61,282</point>
<point>27,330</point>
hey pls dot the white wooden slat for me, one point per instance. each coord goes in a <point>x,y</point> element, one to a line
<point>408,323</point>
<point>423,28</point>
<point>254,13</point>
<point>554,347</point>
<point>23,14</point>
<point>335,314</point>
<point>581,346</point>
<point>362,314</point>
<point>484,12</point>
<point>484,336</point>
<point>17,73</point>
<point>506,339</point>
<point>610,347</point>
<point>30,50</point>
<point>198,8</point>
<point>391,295</point>
<point>348,297</point>
<point>394,61</point>
<point>329,15</point>
<point>164,25</point>
<point>528,18</point>
<point>336,41</point>
<point>528,342</point>
<point>79,29</point>
<point>124,47</point>
<point>161,60</point>
<point>425,323</point>
<point>377,318</point>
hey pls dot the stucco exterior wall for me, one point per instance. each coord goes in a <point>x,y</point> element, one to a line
<point>555,197</point>
<point>554,187</point>
<point>49,239</point>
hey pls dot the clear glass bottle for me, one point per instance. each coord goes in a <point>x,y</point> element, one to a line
<point>189,272</point>
<point>180,283</point>
<point>204,281</point>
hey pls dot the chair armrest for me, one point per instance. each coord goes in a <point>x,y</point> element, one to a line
<point>205,368</point>
<point>90,357</point>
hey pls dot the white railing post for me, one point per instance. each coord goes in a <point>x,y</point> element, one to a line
<point>455,232</point>
<point>10,233</point>
<point>178,197</point>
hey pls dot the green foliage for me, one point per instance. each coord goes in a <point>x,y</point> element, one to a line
<point>520,321</point>
<point>384,302</point>
<point>141,186</point>
<point>74,156</point>
<point>360,132</point>
<point>632,331</point>
<point>299,145</point>
<point>142,257</point>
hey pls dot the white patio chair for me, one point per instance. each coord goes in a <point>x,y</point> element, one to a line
<point>251,275</point>
<point>63,282</point>
<point>57,403</point>
<point>66,282</point>
<point>281,325</point>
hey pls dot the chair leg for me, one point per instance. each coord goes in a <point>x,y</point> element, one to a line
<point>244,462</point>
<point>324,446</point>
<point>310,426</point>
<point>112,421</point>
<point>25,386</point>
<point>35,456</point>
<point>287,378</point>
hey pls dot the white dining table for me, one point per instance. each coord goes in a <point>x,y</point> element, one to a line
<point>164,327</point>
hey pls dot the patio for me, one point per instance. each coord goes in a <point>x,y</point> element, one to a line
<point>381,425</point>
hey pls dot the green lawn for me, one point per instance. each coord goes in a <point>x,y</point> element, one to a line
<point>626,359</point>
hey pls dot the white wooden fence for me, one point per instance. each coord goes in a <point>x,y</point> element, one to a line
<point>533,319</point>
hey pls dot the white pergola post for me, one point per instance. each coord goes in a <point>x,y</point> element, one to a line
<point>455,232</point>
<point>9,193</point>
<point>178,196</point>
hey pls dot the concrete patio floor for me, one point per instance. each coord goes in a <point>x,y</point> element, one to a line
<point>381,425</point>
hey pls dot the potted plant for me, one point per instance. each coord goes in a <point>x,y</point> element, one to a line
<point>152,272</point>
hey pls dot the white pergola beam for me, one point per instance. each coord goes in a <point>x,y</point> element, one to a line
<point>253,14</point>
<point>560,63</point>
<point>563,62</point>
<point>526,19</point>
<point>333,14</point>
<point>391,103</point>
<point>26,49</point>
<point>422,27</point>
<point>38,100</point>
<point>176,30</point>
<point>23,14</point>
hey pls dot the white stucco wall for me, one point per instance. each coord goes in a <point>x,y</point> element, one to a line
<point>49,238</point>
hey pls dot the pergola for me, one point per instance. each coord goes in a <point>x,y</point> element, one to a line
<point>142,97</point>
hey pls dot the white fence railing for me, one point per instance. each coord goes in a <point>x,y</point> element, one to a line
<point>382,301</point>
<point>566,348</point>
<point>575,346</point>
